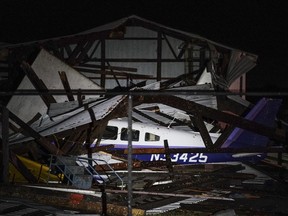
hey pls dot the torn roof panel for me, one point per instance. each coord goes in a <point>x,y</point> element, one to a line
<point>205,100</point>
<point>46,66</point>
<point>71,120</point>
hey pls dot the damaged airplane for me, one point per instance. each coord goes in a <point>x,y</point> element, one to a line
<point>153,136</point>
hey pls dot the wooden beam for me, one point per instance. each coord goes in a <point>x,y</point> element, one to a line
<point>37,83</point>
<point>148,60</point>
<point>192,107</point>
<point>135,38</point>
<point>84,51</point>
<point>182,51</point>
<point>159,56</point>
<point>94,50</point>
<point>68,200</point>
<point>149,117</point>
<point>55,49</point>
<point>168,159</point>
<point>22,168</point>
<point>38,138</point>
<point>170,46</point>
<point>76,51</point>
<point>102,60</point>
<point>31,121</point>
<point>114,75</point>
<point>70,141</point>
<point>77,141</point>
<point>88,143</point>
<point>66,85</point>
<point>115,68</point>
<point>109,72</point>
<point>223,137</point>
<point>199,122</point>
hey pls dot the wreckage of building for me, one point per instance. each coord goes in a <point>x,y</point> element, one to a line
<point>59,93</point>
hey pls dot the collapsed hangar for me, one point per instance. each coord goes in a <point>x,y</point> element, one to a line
<point>113,50</point>
<point>128,53</point>
<point>119,55</point>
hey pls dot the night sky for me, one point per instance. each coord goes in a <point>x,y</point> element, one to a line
<point>260,27</point>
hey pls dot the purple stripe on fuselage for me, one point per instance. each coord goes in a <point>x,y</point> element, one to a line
<point>189,158</point>
<point>121,146</point>
<point>197,158</point>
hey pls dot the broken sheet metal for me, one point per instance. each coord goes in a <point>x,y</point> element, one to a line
<point>154,110</point>
<point>73,119</point>
<point>205,100</point>
<point>167,114</point>
<point>56,109</point>
<point>46,66</point>
<point>239,64</point>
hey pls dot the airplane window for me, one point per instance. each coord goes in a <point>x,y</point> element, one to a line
<point>124,134</point>
<point>151,137</point>
<point>110,133</point>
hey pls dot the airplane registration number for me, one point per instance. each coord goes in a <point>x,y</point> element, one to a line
<point>182,157</point>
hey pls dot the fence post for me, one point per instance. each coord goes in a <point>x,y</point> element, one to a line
<point>130,198</point>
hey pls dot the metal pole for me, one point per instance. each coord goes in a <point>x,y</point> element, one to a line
<point>5,145</point>
<point>104,200</point>
<point>129,155</point>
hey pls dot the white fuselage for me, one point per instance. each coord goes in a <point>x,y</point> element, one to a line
<point>152,136</point>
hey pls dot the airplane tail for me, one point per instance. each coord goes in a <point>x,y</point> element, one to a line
<point>264,112</point>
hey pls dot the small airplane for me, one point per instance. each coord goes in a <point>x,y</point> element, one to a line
<point>153,136</point>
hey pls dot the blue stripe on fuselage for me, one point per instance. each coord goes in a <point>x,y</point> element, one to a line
<point>197,158</point>
<point>190,158</point>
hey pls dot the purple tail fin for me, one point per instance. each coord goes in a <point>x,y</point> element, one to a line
<point>264,112</point>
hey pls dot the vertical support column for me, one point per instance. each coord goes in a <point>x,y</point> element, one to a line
<point>103,56</point>
<point>104,200</point>
<point>5,145</point>
<point>130,197</point>
<point>189,59</point>
<point>168,160</point>
<point>88,143</point>
<point>199,122</point>
<point>159,56</point>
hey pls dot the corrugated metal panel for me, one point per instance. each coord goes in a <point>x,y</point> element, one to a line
<point>131,49</point>
<point>206,100</point>
<point>144,49</point>
<point>239,64</point>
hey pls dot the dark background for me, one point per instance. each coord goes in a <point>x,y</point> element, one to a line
<point>256,26</point>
